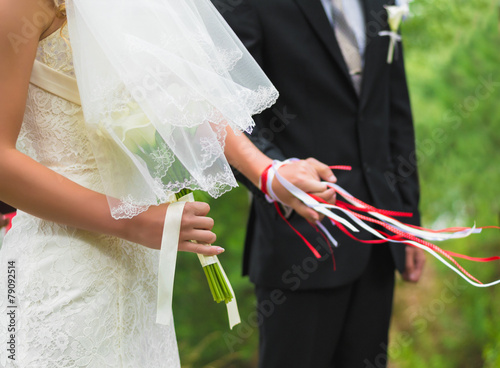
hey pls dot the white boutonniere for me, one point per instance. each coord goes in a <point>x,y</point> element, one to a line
<point>395,13</point>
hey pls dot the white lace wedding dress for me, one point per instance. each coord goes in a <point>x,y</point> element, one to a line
<point>84,300</point>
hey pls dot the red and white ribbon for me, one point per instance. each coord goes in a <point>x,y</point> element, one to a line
<point>354,219</point>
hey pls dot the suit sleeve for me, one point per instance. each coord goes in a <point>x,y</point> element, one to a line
<point>5,208</point>
<point>242,16</point>
<point>402,137</point>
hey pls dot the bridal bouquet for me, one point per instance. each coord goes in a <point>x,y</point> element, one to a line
<point>141,138</point>
<point>216,277</point>
<point>159,83</point>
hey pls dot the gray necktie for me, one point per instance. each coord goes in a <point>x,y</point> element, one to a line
<point>348,44</point>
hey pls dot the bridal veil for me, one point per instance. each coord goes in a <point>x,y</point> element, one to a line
<point>160,81</point>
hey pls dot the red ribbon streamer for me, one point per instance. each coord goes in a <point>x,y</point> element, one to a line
<point>397,234</point>
<point>402,236</point>
<point>313,250</point>
<point>9,216</point>
<point>341,167</point>
<point>263,180</point>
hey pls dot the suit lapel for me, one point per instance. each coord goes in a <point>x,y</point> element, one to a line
<point>375,21</point>
<point>315,14</point>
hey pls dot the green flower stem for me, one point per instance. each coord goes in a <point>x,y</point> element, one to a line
<point>216,281</point>
<point>210,285</point>
<point>213,280</point>
<point>225,289</point>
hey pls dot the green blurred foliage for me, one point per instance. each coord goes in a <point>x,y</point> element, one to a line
<point>452,51</point>
<point>202,327</point>
<point>453,66</point>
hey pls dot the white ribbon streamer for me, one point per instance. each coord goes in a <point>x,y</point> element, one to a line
<point>327,233</point>
<point>307,200</point>
<point>233,313</point>
<point>323,208</point>
<point>168,257</point>
<point>427,235</point>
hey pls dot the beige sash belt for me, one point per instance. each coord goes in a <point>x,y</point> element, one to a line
<point>55,82</point>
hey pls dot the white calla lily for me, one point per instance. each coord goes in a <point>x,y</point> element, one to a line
<point>134,129</point>
<point>395,14</point>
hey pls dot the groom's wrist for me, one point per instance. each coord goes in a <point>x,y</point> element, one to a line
<point>263,180</point>
<point>266,186</point>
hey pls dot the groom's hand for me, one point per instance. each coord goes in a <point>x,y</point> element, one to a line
<point>415,261</point>
<point>308,176</point>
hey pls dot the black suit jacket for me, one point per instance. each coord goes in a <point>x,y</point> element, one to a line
<point>320,115</point>
<point>5,208</point>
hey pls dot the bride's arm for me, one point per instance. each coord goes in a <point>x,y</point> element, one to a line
<point>305,174</point>
<point>37,190</point>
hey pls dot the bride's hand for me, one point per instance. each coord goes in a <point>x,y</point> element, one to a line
<point>195,226</point>
<point>306,175</point>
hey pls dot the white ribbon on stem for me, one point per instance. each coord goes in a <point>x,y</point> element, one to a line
<point>168,257</point>
<point>394,38</point>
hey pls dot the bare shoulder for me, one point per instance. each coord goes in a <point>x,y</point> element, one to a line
<point>22,22</point>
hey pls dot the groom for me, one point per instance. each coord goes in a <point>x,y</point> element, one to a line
<point>342,103</point>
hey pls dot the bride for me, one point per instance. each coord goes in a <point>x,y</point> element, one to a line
<point>84,288</point>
